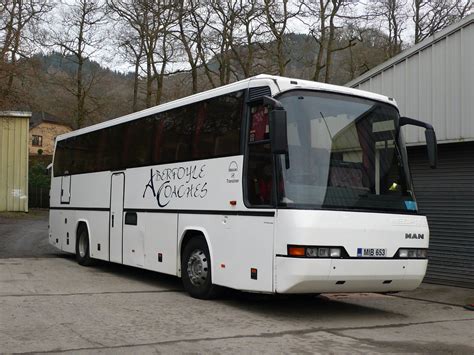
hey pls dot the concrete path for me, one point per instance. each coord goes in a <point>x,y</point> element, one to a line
<point>48,303</point>
<point>53,304</point>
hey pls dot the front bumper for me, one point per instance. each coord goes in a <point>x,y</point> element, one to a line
<point>299,275</point>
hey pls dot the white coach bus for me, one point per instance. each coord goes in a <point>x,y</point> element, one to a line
<point>269,184</point>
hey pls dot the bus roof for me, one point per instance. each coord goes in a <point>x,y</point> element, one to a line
<point>278,83</point>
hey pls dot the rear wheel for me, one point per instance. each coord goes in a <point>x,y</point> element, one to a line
<point>82,247</point>
<point>196,271</point>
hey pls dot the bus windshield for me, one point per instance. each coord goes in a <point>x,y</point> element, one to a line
<point>344,153</point>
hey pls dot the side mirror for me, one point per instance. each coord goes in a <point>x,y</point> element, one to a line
<point>278,128</point>
<point>430,135</point>
<point>278,132</point>
<point>432,147</point>
<point>47,170</point>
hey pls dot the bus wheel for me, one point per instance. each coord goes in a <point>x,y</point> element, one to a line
<point>196,270</point>
<point>82,247</point>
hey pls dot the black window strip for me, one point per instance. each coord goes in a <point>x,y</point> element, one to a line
<point>202,130</point>
<point>105,209</point>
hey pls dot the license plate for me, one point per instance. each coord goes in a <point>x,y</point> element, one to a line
<point>371,253</point>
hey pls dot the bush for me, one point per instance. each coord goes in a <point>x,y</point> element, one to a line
<point>37,175</point>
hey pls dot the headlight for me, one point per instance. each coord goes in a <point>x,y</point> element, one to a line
<point>311,252</point>
<point>315,251</point>
<point>405,253</point>
<point>323,252</point>
<point>335,252</point>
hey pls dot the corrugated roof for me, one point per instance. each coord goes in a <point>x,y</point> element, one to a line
<point>432,82</point>
<point>39,117</point>
<point>412,50</point>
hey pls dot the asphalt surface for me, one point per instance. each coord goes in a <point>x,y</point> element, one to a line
<point>48,303</point>
<point>25,235</point>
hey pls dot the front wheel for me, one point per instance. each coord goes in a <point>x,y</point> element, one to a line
<point>196,270</point>
<point>82,247</point>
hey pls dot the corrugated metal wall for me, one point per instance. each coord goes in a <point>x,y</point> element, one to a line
<point>446,196</point>
<point>433,82</point>
<point>14,161</point>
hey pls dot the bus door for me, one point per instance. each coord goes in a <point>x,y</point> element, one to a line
<point>116,215</point>
<point>65,189</point>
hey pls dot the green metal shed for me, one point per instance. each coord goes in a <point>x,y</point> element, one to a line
<point>14,160</point>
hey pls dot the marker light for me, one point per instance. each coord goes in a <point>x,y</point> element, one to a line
<point>296,251</point>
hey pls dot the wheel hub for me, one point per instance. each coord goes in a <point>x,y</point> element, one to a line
<point>197,268</point>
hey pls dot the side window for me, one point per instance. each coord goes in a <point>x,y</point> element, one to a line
<point>108,154</point>
<point>157,138</point>
<point>83,157</point>
<point>62,158</point>
<point>177,130</point>
<point>260,174</point>
<point>218,123</point>
<point>259,125</point>
<point>260,159</point>
<point>137,142</point>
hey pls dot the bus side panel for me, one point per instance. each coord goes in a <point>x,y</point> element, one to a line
<point>64,224</point>
<point>98,228</point>
<point>158,235</point>
<point>237,245</point>
<point>90,190</point>
<point>55,192</point>
<point>89,203</point>
<point>57,228</point>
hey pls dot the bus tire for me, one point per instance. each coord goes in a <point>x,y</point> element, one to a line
<point>82,247</point>
<point>196,270</point>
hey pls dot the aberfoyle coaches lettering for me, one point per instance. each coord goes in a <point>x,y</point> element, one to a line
<point>177,183</point>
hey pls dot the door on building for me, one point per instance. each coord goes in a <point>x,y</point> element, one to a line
<point>66,189</point>
<point>116,216</point>
<point>446,197</point>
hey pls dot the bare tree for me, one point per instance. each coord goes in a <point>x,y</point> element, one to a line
<point>327,16</point>
<point>79,38</point>
<point>393,15</point>
<point>166,17</point>
<point>277,15</point>
<point>149,39</point>
<point>18,21</point>
<point>249,30</point>
<point>188,37</point>
<point>222,29</point>
<point>430,16</point>
<point>129,20</point>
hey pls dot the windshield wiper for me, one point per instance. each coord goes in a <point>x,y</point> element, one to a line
<point>326,124</point>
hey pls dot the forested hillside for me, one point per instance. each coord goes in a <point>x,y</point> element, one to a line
<point>87,61</point>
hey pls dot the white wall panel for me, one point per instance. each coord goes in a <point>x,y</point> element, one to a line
<point>433,82</point>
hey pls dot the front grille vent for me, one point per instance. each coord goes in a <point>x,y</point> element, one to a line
<point>258,92</point>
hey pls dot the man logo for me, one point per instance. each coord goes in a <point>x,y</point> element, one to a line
<point>414,236</point>
<point>233,166</point>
